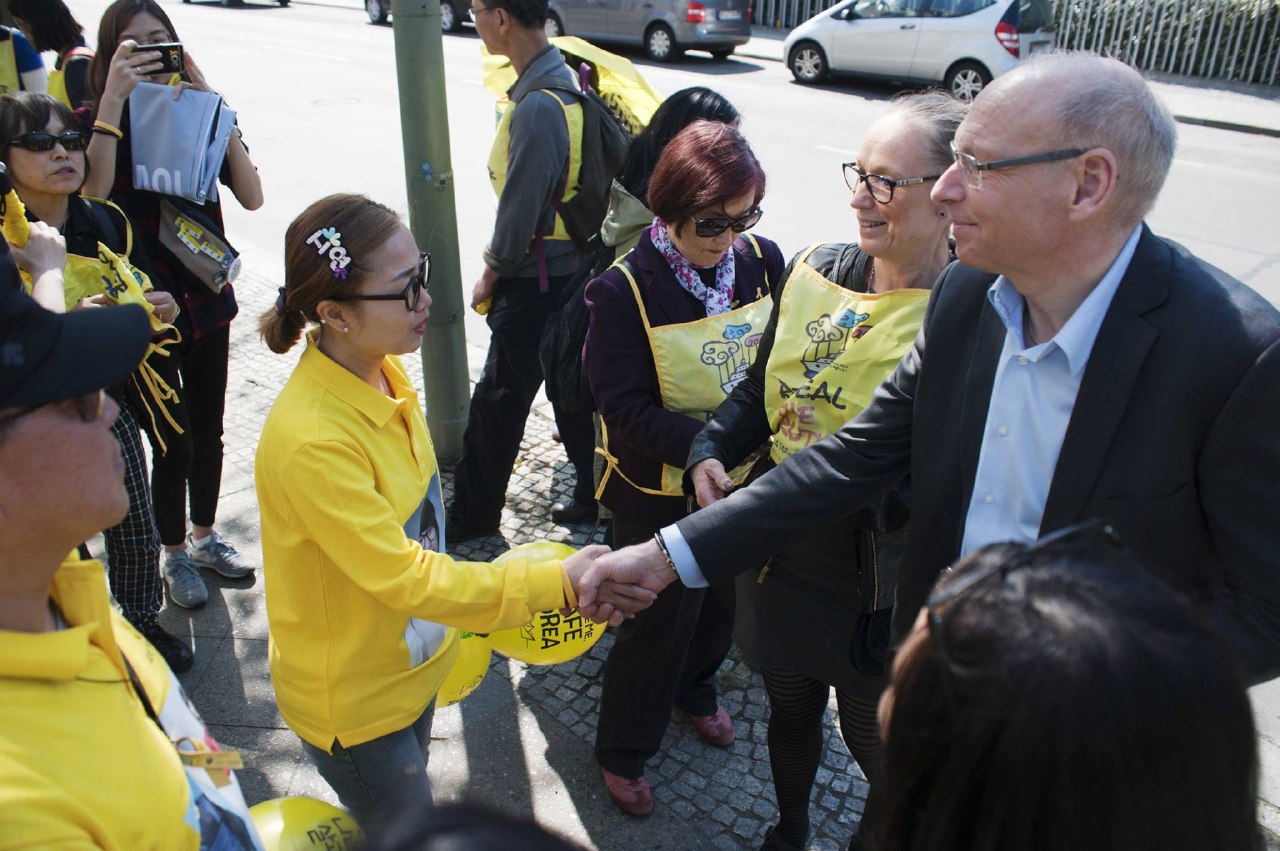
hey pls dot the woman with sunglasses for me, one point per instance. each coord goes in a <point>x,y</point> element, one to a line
<point>817,615</point>
<point>673,326</point>
<point>361,600</point>
<point>1056,697</point>
<point>43,149</point>
<point>197,367</point>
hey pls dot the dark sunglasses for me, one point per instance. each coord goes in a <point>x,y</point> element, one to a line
<point>411,295</point>
<point>952,586</point>
<point>88,408</point>
<point>717,226</point>
<point>72,140</point>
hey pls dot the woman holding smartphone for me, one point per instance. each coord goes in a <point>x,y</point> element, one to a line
<point>198,366</point>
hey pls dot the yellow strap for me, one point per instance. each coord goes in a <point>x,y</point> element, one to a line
<point>612,465</point>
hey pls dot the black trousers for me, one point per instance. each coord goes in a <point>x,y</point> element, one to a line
<point>197,369</point>
<point>501,402</point>
<point>665,656</point>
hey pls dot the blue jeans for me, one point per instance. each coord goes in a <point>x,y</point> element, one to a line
<point>387,773</point>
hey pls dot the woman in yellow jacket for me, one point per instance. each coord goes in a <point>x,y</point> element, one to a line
<point>361,601</point>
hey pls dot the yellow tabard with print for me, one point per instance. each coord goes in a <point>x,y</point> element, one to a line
<point>501,142</point>
<point>698,365</point>
<point>831,350</point>
<point>10,78</point>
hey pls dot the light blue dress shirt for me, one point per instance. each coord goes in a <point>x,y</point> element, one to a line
<point>1031,402</point>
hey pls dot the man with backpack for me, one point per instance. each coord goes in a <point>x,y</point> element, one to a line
<point>538,244</point>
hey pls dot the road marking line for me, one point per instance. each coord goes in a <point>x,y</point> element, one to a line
<point>841,151</point>
<point>328,57</point>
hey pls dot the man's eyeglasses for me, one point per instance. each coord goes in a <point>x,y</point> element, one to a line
<point>1095,533</point>
<point>474,13</point>
<point>880,187</point>
<point>973,169</point>
<point>88,407</point>
<point>716,226</point>
<point>72,140</point>
<point>411,295</point>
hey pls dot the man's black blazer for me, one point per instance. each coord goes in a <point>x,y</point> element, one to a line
<point>1173,439</point>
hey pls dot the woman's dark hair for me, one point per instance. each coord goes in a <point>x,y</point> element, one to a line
<point>706,164</point>
<point>364,226</point>
<point>1066,702</point>
<point>461,827</point>
<point>115,20</point>
<point>28,112</point>
<point>674,114</point>
<point>49,24</point>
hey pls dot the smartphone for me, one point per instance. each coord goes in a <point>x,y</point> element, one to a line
<point>170,55</point>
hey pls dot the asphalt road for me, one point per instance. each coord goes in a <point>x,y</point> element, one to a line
<point>314,85</point>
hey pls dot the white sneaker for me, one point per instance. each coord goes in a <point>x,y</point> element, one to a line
<point>219,556</point>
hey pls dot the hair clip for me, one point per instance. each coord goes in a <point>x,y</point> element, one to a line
<point>328,242</point>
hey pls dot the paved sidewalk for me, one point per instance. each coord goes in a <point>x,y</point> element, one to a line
<point>523,741</point>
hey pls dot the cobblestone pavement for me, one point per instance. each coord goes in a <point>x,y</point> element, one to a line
<point>523,741</point>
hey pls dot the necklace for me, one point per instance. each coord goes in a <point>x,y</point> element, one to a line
<point>871,277</point>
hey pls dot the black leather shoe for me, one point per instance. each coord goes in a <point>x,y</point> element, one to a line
<point>773,841</point>
<point>573,512</point>
<point>458,530</point>
<point>174,651</point>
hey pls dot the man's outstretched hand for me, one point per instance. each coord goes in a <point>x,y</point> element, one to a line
<point>616,579</point>
<point>623,599</point>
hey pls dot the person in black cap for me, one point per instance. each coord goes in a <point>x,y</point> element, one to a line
<point>89,713</point>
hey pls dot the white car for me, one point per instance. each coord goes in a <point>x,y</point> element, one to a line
<point>958,44</point>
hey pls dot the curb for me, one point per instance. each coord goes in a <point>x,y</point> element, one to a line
<point>1228,125</point>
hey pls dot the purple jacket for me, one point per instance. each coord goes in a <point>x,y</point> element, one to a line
<point>624,381</point>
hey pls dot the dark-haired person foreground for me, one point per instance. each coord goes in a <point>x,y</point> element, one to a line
<point>91,718</point>
<point>1060,384</point>
<point>1056,698</point>
<point>817,616</point>
<point>529,260</point>
<point>98,242</point>
<point>673,327</point>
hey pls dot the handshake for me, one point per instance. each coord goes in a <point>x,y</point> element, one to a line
<point>613,586</point>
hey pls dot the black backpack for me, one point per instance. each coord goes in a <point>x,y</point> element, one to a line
<point>604,145</point>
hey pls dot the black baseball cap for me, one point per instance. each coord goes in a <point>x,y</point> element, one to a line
<point>47,357</point>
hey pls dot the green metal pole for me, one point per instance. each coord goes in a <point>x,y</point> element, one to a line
<point>424,124</point>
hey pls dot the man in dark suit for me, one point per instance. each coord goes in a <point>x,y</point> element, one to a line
<point>1072,365</point>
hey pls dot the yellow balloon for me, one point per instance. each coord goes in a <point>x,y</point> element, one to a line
<point>550,638</point>
<point>467,672</point>
<point>301,824</point>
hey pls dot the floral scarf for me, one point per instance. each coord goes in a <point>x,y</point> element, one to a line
<point>717,300</point>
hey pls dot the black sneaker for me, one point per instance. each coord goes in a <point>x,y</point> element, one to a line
<point>172,648</point>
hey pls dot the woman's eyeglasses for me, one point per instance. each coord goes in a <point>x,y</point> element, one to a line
<point>87,407</point>
<point>411,295</point>
<point>39,141</point>
<point>880,187</point>
<point>717,226</point>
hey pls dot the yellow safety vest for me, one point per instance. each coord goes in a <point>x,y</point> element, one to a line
<point>698,365</point>
<point>10,79</point>
<point>501,143</point>
<point>58,76</point>
<point>832,348</point>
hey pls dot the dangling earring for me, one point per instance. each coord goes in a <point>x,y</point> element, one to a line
<point>942,214</point>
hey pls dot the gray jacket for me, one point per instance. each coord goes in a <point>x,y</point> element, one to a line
<point>537,164</point>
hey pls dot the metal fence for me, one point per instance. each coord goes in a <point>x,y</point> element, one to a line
<point>1220,39</point>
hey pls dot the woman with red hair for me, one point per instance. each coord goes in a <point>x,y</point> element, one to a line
<point>674,326</point>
